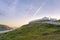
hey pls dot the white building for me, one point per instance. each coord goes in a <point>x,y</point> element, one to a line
<point>45,18</point>
<point>48,18</point>
<point>53,19</point>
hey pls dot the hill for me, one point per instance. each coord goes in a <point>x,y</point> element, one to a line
<point>4,27</point>
<point>58,20</point>
<point>34,31</point>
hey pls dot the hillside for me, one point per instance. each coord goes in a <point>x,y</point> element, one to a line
<point>34,31</point>
<point>4,27</point>
<point>58,20</point>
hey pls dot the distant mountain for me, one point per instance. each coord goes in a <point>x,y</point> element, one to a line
<point>34,31</point>
<point>4,27</point>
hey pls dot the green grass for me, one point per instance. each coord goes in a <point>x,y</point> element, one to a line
<point>34,31</point>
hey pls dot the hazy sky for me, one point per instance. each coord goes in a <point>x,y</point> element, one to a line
<point>18,12</point>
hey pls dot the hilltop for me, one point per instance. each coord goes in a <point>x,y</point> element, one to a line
<point>34,31</point>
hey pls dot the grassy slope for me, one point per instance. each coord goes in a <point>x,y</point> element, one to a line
<point>34,31</point>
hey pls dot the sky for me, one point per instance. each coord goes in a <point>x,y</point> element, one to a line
<point>16,13</point>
